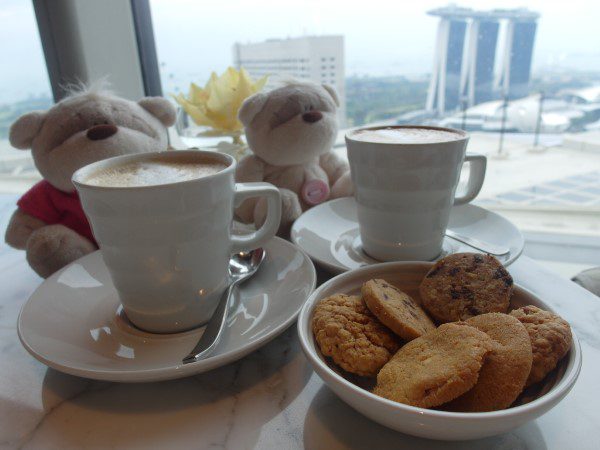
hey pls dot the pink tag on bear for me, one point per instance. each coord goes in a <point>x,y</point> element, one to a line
<point>315,192</point>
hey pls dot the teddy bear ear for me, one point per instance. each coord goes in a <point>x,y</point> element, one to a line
<point>25,129</point>
<point>251,107</point>
<point>331,90</point>
<point>161,108</point>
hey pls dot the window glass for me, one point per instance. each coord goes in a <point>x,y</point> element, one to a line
<point>24,87</point>
<point>524,82</point>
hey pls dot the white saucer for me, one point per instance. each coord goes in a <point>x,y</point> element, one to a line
<point>73,321</point>
<point>329,234</point>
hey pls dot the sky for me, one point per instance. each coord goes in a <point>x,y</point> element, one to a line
<point>195,37</point>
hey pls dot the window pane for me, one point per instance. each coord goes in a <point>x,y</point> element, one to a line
<point>24,87</point>
<point>485,67</point>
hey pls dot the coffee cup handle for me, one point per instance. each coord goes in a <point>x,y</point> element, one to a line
<point>476,176</point>
<point>259,237</point>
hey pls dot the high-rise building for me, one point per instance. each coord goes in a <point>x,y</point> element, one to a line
<point>518,54</point>
<point>314,58</point>
<point>467,43</point>
<point>482,55</point>
<point>444,90</point>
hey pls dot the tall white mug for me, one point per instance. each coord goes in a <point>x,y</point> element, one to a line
<point>405,191</point>
<point>167,247</point>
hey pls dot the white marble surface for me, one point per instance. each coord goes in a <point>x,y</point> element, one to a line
<point>270,399</point>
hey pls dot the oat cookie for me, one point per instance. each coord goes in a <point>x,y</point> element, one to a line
<point>506,367</point>
<point>464,285</point>
<point>348,332</point>
<point>436,367</point>
<point>396,310</point>
<point>550,338</point>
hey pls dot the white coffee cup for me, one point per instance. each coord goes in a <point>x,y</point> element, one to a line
<point>167,247</point>
<point>405,190</point>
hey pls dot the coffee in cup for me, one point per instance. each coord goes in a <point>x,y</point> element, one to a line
<point>155,171</point>
<point>405,135</point>
<point>405,179</point>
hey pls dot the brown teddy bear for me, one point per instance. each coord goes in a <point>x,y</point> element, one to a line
<point>88,126</point>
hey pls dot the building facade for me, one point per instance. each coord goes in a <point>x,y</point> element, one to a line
<point>312,58</point>
<point>465,60</point>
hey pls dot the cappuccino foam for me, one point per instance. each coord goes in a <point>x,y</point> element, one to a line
<point>406,135</point>
<point>154,172</point>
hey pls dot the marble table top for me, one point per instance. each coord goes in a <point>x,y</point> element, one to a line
<point>271,399</point>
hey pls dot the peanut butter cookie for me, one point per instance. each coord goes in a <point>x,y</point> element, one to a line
<point>464,285</point>
<point>506,367</point>
<point>550,338</point>
<point>348,332</point>
<point>436,367</point>
<point>396,310</point>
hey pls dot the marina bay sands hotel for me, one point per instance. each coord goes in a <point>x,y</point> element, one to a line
<point>480,56</point>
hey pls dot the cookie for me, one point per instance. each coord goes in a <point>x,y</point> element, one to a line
<point>464,285</point>
<point>396,310</point>
<point>550,339</point>
<point>436,367</point>
<point>506,368</point>
<point>349,333</point>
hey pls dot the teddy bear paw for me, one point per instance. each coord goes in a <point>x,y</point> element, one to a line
<point>52,247</point>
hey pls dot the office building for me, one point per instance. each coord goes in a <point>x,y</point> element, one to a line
<point>312,58</point>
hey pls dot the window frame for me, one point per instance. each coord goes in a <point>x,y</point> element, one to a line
<point>71,33</point>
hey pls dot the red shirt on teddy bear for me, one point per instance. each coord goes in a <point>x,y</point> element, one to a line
<point>52,206</point>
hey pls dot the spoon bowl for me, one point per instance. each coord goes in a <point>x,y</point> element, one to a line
<point>242,266</point>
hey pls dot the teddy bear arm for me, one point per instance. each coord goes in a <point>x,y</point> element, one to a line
<point>20,228</point>
<point>338,171</point>
<point>343,187</point>
<point>334,166</point>
<point>51,247</point>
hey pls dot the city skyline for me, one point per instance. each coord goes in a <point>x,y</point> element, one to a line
<point>396,40</point>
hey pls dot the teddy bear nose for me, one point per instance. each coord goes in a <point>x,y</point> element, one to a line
<point>312,116</point>
<point>99,132</point>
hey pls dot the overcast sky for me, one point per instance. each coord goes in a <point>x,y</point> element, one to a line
<point>381,37</point>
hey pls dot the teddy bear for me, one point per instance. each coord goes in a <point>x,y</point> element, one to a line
<point>290,131</point>
<point>85,127</point>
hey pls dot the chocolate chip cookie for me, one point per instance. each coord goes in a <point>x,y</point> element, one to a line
<point>351,335</point>
<point>436,367</point>
<point>396,310</point>
<point>506,368</point>
<point>464,285</point>
<point>550,338</point>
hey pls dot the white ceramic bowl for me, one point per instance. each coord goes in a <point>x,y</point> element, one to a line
<point>421,422</point>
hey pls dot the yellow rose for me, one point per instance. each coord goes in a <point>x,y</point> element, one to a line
<point>217,105</point>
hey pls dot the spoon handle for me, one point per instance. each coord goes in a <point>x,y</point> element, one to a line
<point>214,330</point>
<point>486,247</point>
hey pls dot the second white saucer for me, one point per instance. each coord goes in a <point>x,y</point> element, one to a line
<point>329,234</point>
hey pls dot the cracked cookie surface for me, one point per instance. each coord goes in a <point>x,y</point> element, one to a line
<point>351,335</point>
<point>506,367</point>
<point>396,310</point>
<point>550,338</point>
<point>464,285</point>
<point>436,367</point>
